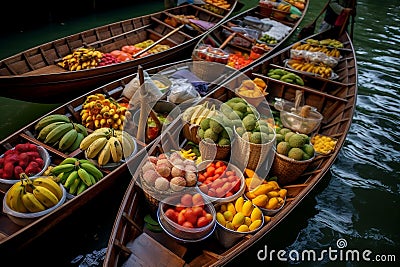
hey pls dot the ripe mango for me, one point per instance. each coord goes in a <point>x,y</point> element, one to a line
<point>221,218</point>
<point>256,214</point>
<point>230,207</point>
<point>250,195</point>
<point>229,225</point>
<point>260,200</point>
<point>274,184</point>
<point>239,204</point>
<point>272,203</point>
<point>247,208</point>
<point>254,225</point>
<point>247,221</point>
<point>228,215</point>
<point>243,228</point>
<point>282,193</point>
<point>262,189</point>
<point>273,194</point>
<point>238,219</point>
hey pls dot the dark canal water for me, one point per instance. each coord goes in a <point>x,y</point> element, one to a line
<point>356,208</point>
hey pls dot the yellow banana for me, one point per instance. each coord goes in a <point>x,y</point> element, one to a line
<point>116,149</point>
<point>45,196</point>
<point>94,148</point>
<point>104,156</point>
<point>50,184</point>
<point>88,140</point>
<point>11,192</point>
<point>32,203</point>
<point>16,199</point>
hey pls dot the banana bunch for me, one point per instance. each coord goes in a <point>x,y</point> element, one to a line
<point>33,195</point>
<point>58,131</point>
<point>76,174</point>
<point>144,44</point>
<point>196,114</point>
<point>317,48</point>
<point>82,58</point>
<point>317,68</point>
<point>284,7</point>
<point>99,111</point>
<point>188,154</point>
<point>285,76</point>
<point>108,145</point>
<point>325,42</point>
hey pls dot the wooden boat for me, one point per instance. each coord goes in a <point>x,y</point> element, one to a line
<point>131,242</point>
<point>246,39</point>
<point>14,237</point>
<point>34,75</point>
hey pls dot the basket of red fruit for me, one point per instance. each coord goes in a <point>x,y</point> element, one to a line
<point>186,217</point>
<point>26,158</point>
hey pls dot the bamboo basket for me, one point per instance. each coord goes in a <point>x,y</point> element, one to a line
<point>208,71</point>
<point>288,170</point>
<point>211,151</point>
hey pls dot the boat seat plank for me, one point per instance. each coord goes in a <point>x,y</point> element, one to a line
<point>148,252</point>
<point>166,241</point>
<point>170,27</point>
<point>203,10</point>
<point>45,70</point>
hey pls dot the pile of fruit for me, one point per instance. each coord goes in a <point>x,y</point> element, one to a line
<point>127,52</point>
<point>320,69</point>
<point>317,48</point>
<point>108,59</point>
<point>255,131</point>
<point>196,114</point>
<point>34,195</point>
<point>323,144</point>
<point>293,145</point>
<point>212,129</point>
<point>169,172</point>
<point>262,193</point>
<point>99,111</point>
<point>239,60</point>
<point>108,145</point>
<point>285,76</point>
<point>216,180</point>
<point>23,158</point>
<point>240,215</point>
<point>253,88</point>
<point>58,131</point>
<point>76,174</point>
<point>82,58</point>
<point>266,38</point>
<point>325,42</point>
<point>189,212</point>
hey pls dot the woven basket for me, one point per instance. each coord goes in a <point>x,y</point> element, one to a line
<point>253,154</point>
<point>211,151</point>
<point>153,196</point>
<point>287,170</point>
<point>208,71</point>
<point>190,132</point>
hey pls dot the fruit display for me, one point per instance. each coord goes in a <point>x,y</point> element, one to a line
<point>323,144</point>
<point>320,69</point>
<point>107,145</point>
<point>76,175</point>
<point>239,60</point>
<point>317,48</point>
<point>189,212</point>
<point>285,76</point>
<point>266,38</point>
<point>23,158</point>
<point>59,131</point>
<point>82,58</point>
<point>99,111</point>
<point>211,54</point>
<point>236,109</point>
<point>325,42</point>
<point>127,52</point>
<point>108,59</point>
<point>166,173</point>
<point>215,130</point>
<point>197,113</point>
<point>39,194</point>
<point>218,180</point>
<point>240,215</point>
<point>264,194</point>
<point>255,131</point>
<point>253,88</point>
<point>293,145</point>
<point>300,4</point>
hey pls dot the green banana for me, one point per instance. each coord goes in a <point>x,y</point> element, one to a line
<point>275,76</point>
<point>57,133</point>
<point>69,161</point>
<point>85,161</point>
<point>50,119</point>
<point>81,129</point>
<point>76,143</point>
<point>74,187</point>
<point>62,177</point>
<point>62,168</point>
<point>90,168</point>
<point>47,129</point>
<point>82,187</point>
<point>68,139</point>
<point>88,140</point>
<point>84,175</point>
<point>71,178</point>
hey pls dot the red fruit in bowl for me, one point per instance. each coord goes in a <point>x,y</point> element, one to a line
<point>172,215</point>
<point>186,200</point>
<point>198,200</point>
<point>198,211</point>
<point>202,221</point>
<point>187,224</point>
<point>190,216</point>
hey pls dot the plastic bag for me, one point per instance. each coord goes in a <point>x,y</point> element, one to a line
<point>182,90</point>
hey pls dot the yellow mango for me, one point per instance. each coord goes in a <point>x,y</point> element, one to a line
<point>260,200</point>
<point>281,201</point>
<point>250,195</point>
<point>221,218</point>
<point>229,225</point>
<point>252,183</point>
<point>267,218</point>
<point>262,189</point>
<point>239,204</point>
<point>272,203</point>
<point>254,225</point>
<point>247,208</point>
<point>274,184</point>
<point>247,221</point>
<point>228,215</point>
<point>282,193</point>
<point>273,194</point>
<point>238,219</point>
<point>243,228</point>
<point>230,207</point>
<point>256,214</point>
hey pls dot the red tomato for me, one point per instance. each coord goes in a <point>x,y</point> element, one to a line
<point>201,178</point>
<point>190,216</point>
<point>219,164</point>
<point>179,207</point>
<point>198,211</point>
<point>187,224</point>
<point>202,221</point>
<point>172,215</point>
<point>181,217</point>
<point>210,171</point>
<point>215,177</point>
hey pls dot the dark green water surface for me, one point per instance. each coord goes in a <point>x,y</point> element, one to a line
<point>358,202</point>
